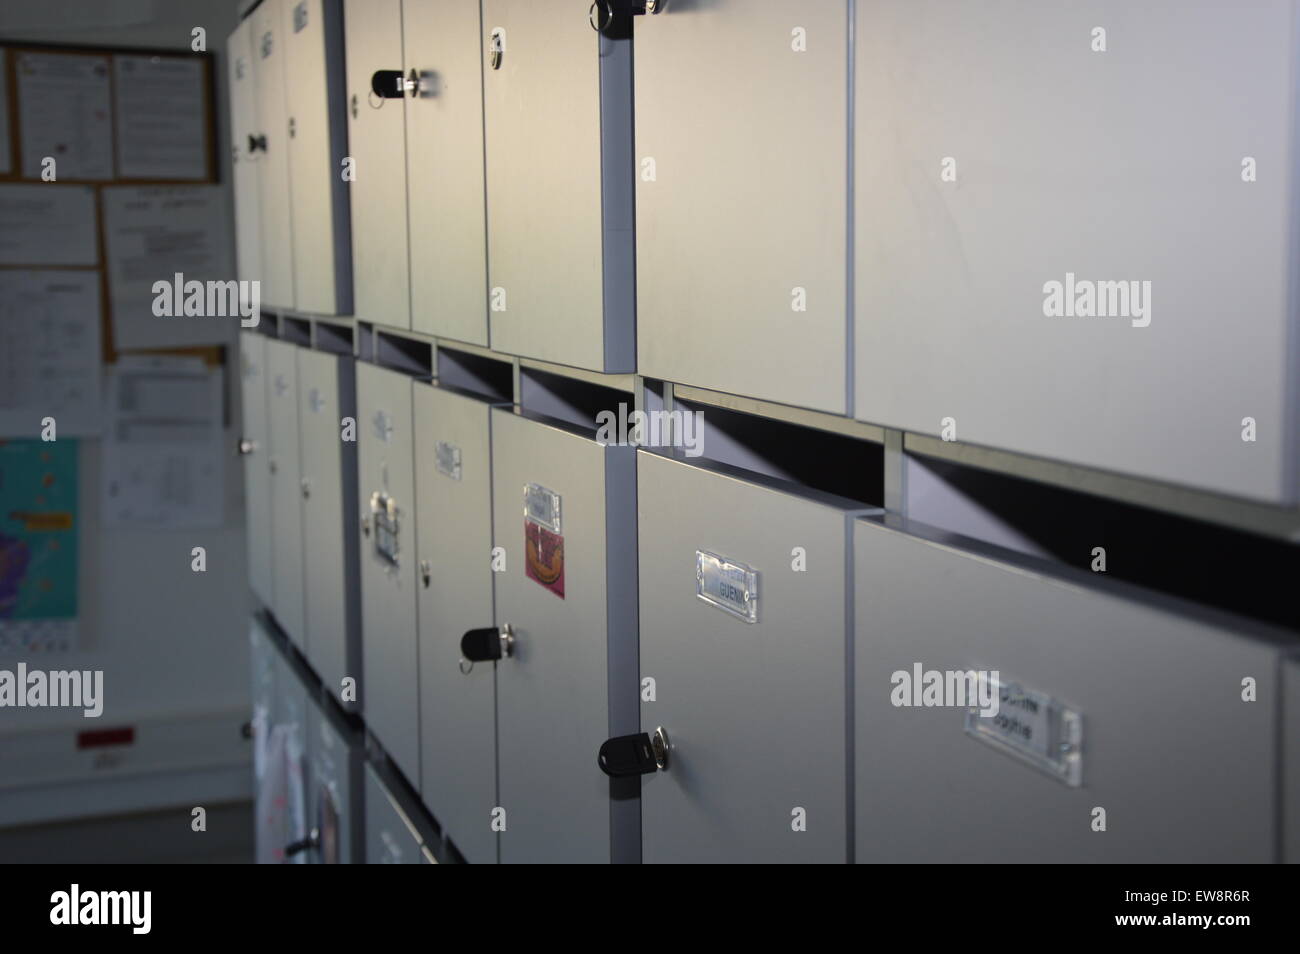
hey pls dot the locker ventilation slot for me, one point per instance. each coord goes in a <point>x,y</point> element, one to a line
<point>819,460</point>
<point>295,330</point>
<point>567,399</point>
<point>404,354</point>
<point>490,379</point>
<point>1202,562</point>
<point>334,339</point>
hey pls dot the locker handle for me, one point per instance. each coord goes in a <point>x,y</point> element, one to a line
<point>297,847</point>
<point>256,142</point>
<point>387,84</point>
<point>487,645</point>
<point>245,446</point>
<point>497,48</point>
<point>626,756</point>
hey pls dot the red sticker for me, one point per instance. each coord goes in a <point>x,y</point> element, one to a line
<point>544,553</point>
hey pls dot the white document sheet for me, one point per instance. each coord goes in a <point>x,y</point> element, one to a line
<point>160,114</point>
<point>162,465</point>
<point>47,224</point>
<point>50,356</point>
<point>65,113</point>
<point>151,233</point>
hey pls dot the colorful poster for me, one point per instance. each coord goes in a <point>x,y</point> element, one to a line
<point>38,544</point>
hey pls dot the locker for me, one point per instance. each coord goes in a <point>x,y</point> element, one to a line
<point>271,149</point>
<point>285,468</point>
<point>1108,698</point>
<point>390,837</point>
<point>322,244</point>
<point>741,198</point>
<point>736,679</point>
<point>454,540</point>
<point>291,710</point>
<point>558,136</point>
<point>569,598</point>
<point>264,666</point>
<point>386,492</point>
<point>254,447</point>
<point>1291,762</point>
<point>244,127</point>
<point>332,611</point>
<point>377,143</point>
<point>336,760</point>
<point>262,659</point>
<point>444,163</point>
<point>976,227</point>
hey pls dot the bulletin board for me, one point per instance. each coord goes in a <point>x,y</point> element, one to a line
<point>108,156</point>
<point>78,125</point>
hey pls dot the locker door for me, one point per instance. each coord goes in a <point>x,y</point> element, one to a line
<point>1060,287</point>
<point>322,245</point>
<point>255,446</point>
<point>390,838</point>
<point>559,177</point>
<point>286,491</point>
<point>326,390</point>
<point>244,125</point>
<point>272,142</point>
<point>262,656</point>
<point>457,708</point>
<point>336,774</point>
<point>1291,762</point>
<point>386,491</point>
<point>742,213</point>
<point>444,164</point>
<point>754,712</point>
<point>291,711</point>
<point>376,138</point>
<point>1182,766</point>
<point>571,681</point>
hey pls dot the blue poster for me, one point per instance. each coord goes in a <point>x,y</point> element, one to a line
<point>38,529</point>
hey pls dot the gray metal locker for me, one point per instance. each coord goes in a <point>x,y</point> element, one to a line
<point>284,464</point>
<point>1025,199</point>
<point>564,514</point>
<point>444,166</point>
<point>254,446</point>
<point>336,758</point>
<point>747,656</point>
<point>386,492</point>
<point>454,542</point>
<point>271,149</point>
<point>1291,761</point>
<point>263,665</point>
<point>1108,698</point>
<point>244,128</point>
<point>742,198</point>
<point>291,710</point>
<point>377,142</point>
<point>558,120</point>
<point>330,535</point>
<point>322,244</point>
<point>390,837</point>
